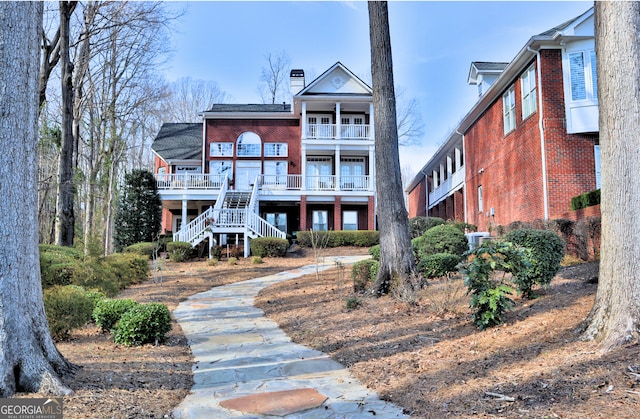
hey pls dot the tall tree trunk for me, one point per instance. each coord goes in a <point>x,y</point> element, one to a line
<point>615,317</point>
<point>397,265</point>
<point>29,360</point>
<point>65,219</point>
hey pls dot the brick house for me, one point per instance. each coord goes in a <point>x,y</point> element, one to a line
<point>529,144</point>
<point>252,170</point>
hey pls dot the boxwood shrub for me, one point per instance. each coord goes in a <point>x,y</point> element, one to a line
<point>67,308</point>
<point>443,238</point>
<point>269,247</point>
<point>439,264</point>
<point>144,323</point>
<point>374,251</point>
<point>179,251</point>
<point>108,312</point>
<point>142,248</point>
<point>586,199</point>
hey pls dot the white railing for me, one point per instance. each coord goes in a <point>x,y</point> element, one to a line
<point>194,232</point>
<point>321,183</point>
<point>189,181</point>
<point>280,182</point>
<point>262,228</point>
<point>354,183</point>
<point>354,131</point>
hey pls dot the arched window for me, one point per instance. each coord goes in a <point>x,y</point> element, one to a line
<point>248,145</point>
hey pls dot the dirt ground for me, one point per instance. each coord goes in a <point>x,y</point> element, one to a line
<point>427,358</point>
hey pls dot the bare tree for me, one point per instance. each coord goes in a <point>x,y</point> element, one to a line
<point>409,119</point>
<point>30,360</point>
<point>397,264</point>
<point>615,317</point>
<point>65,218</point>
<point>187,97</point>
<point>272,87</point>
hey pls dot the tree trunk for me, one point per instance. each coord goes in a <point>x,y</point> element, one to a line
<point>29,360</point>
<point>397,264</point>
<point>615,317</point>
<point>65,219</point>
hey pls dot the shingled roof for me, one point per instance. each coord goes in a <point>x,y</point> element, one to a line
<point>179,141</point>
<point>230,107</point>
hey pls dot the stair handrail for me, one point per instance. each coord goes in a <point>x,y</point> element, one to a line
<point>253,201</point>
<point>262,227</point>
<point>192,232</point>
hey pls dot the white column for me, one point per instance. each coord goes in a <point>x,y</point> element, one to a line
<point>184,212</point>
<point>337,166</point>
<point>372,167</point>
<point>442,172</point>
<point>303,169</point>
<point>338,122</point>
<point>449,166</point>
<point>436,179</point>
<point>372,131</point>
<point>304,120</point>
<point>458,159</point>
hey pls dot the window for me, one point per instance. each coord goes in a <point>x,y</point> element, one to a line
<point>277,219</point>
<point>275,173</point>
<point>319,173</point>
<point>352,173</point>
<point>509,110</point>
<point>221,150</point>
<point>350,220</point>
<point>276,150</point>
<point>248,145</point>
<point>480,198</point>
<point>583,75</point>
<point>221,167</point>
<point>320,221</point>
<point>528,83</point>
<point>183,170</point>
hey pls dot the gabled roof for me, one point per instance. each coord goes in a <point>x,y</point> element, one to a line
<point>484,67</point>
<point>179,141</point>
<point>337,80</point>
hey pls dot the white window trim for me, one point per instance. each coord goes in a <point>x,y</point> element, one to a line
<point>218,149</point>
<point>590,85</point>
<point>509,110</point>
<point>276,150</point>
<point>528,91</point>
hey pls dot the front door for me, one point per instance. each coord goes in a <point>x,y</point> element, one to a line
<point>246,173</point>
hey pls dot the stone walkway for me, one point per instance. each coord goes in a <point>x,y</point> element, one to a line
<point>245,362</point>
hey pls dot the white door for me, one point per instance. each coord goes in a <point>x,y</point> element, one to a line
<point>246,173</point>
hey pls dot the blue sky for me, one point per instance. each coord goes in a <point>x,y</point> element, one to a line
<point>433,44</point>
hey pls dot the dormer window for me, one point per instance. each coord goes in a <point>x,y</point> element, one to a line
<point>248,145</point>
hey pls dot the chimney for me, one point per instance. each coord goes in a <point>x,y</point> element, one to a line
<point>297,81</point>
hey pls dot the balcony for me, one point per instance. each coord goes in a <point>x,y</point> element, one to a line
<point>330,131</point>
<point>449,185</point>
<point>189,181</point>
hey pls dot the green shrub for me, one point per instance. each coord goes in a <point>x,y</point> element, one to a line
<point>232,261</point>
<point>464,227</point>
<point>216,252</point>
<point>142,248</point>
<point>353,303</point>
<point>484,279</point>
<point>128,268</point>
<point>144,323</point>
<point>108,312</point>
<point>269,247</point>
<point>360,238</point>
<point>443,238</point>
<point>256,260</point>
<point>418,225</point>
<point>58,264</point>
<point>438,265</point>
<point>213,262</point>
<point>374,251</point>
<point>546,252</point>
<point>179,251</point>
<point>67,308</point>
<point>361,273</point>
<point>585,200</point>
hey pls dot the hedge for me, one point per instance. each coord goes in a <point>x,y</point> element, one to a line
<point>337,238</point>
<point>269,247</point>
<point>587,199</point>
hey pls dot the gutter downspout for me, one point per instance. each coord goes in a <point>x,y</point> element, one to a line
<point>464,183</point>
<point>545,190</point>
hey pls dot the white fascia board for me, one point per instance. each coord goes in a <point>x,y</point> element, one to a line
<point>248,115</point>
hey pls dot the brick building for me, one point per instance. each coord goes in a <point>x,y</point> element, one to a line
<point>250,170</point>
<point>530,142</point>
